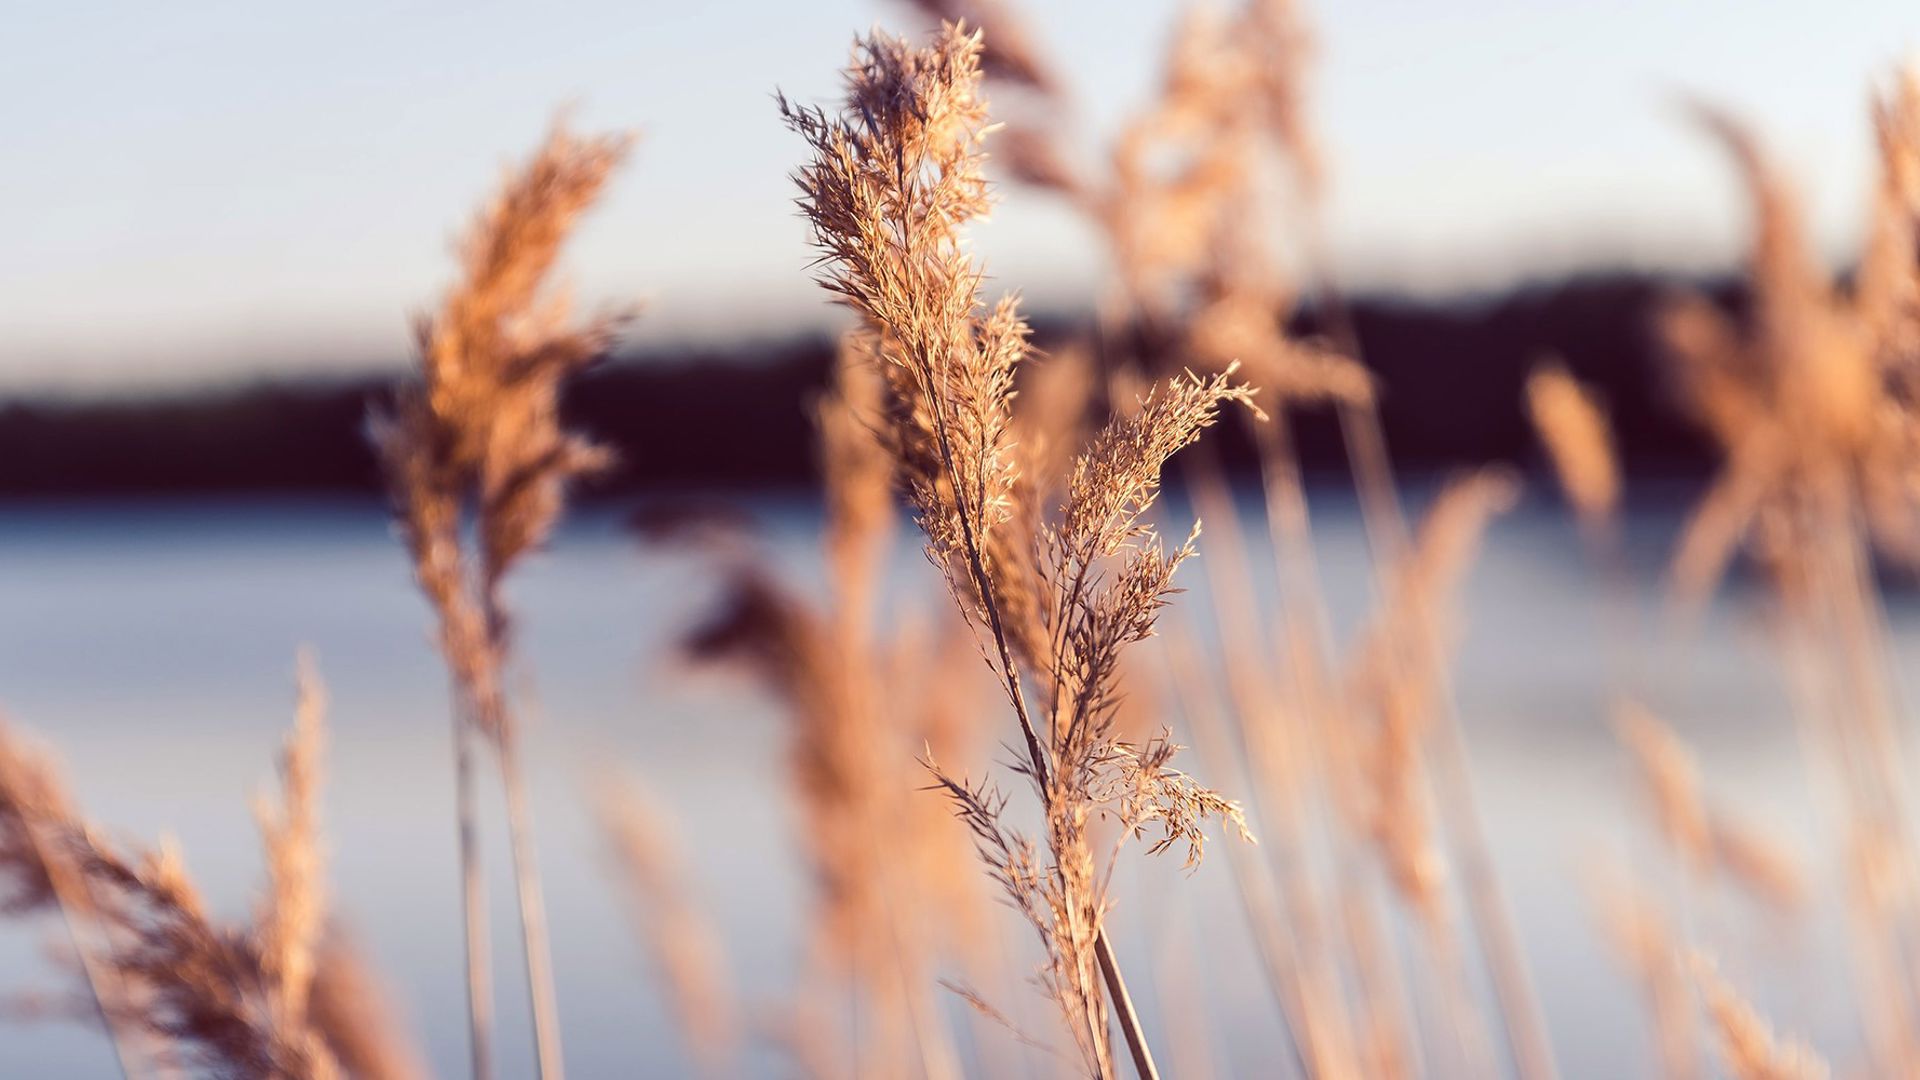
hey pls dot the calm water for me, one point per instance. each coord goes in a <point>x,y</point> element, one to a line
<point>153,646</point>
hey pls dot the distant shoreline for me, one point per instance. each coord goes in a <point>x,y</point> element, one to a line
<point>1451,373</point>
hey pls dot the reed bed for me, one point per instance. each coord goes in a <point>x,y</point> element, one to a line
<point>1370,898</point>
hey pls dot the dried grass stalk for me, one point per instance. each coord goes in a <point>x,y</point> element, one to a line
<point>684,945</point>
<point>225,1001</point>
<point>1646,943</point>
<point>894,177</point>
<point>1808,398</point>
<point>475,444</point>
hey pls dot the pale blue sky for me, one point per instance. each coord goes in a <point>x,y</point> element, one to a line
<point>225,188</point>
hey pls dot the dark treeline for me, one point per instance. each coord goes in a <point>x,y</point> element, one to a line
<point>1451,372</point>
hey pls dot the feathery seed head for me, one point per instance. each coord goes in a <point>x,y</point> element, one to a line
<point>1574,430</point>
<point>1748,1045</point>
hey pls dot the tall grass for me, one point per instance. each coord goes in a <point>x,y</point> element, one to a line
<point>478,464</point>
<point>1035,482</point>
<point>894,176</point>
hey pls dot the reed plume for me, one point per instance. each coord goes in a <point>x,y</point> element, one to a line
<point>1748,1045</point>
<point>894,177</point>
<point>1034,113</point>
<point>1009,54</point>
<point>1574,429</point>
<point>477,464</point>
<point>1186,204</point>
<point>1804,397</point>
<point>1886,288</point>
<point>290,917</point>
<point>229,1001</point>
<point>40,870</point>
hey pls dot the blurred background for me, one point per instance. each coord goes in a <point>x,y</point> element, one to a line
<point>224,216</point>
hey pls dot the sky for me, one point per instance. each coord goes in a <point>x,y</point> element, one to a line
<point>225,190</point>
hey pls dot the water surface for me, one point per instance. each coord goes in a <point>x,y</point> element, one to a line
<point>153,645</point>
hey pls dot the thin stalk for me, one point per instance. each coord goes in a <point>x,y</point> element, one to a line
<point>935,1051</point>
<point>1882,1028</point>
<point>1123,1008</point>
<point>1325,730</point>
<point>1843,635</point>
<point>1257,903</point>
<point>503,725</point>
<point>932,1046</point>
<point>533,914</point>
<point>1670,1001</point>
<point>1267,732</point>
<point>1826,747</point>
<point>1492,919</point>
<point>1178,991</point>
<point>473,906</point>
<point>1386,525</point>
<point>1117,994</point>
<point>1043,773</point>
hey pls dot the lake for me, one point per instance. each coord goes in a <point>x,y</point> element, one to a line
<point>153,644</point>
